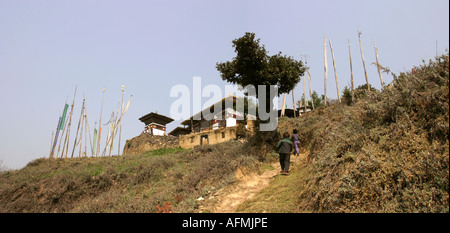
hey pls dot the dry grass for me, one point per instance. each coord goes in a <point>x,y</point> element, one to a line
<point>282,195</point>
<point>135,183</point>
<point>389,152</point>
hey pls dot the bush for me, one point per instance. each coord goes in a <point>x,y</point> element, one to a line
<point>386,153</point>
<point>134,183</point>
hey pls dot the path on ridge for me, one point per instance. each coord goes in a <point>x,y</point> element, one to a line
<point>227,199</point>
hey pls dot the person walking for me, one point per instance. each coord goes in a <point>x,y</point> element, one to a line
<point>296,140</point>
<point>284,148</point>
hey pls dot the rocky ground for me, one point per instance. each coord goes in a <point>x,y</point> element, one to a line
<point>146,142</point>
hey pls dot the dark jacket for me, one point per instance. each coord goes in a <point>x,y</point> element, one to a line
<point>284,146</point>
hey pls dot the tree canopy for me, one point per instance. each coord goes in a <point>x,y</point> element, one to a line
<point>252,65</point>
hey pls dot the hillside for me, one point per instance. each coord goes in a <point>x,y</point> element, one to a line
<point>388,152</point>
<point>131,183</point>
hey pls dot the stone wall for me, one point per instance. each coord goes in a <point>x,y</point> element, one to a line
<point>146,142</point>
<point>213,136</point>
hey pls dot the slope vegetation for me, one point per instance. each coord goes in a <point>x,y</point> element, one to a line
<point>389,152</point>
<point>165,180</point>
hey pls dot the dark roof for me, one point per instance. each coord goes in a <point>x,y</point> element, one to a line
<point>180,131</point>
<point>228,98</point>
<point>289,112</point>
<point>155,117</point>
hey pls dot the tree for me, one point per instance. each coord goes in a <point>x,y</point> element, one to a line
<point>252,66</point>
<point>361,91</point>
<point>318,101</point>
<point>347,96</point>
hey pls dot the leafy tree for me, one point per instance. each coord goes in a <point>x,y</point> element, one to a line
<point>252,65</point>
<point>318,101</point>
<point>361,91</point>
<point>347,96</point>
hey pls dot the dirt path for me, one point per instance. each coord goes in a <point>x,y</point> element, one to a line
<point>226,200</point>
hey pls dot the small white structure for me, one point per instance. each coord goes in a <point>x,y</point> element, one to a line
<point>155,124</point>
<point>230,117</point>
<point>155,129</point>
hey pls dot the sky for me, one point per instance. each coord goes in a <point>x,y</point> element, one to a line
<point>49,47</point>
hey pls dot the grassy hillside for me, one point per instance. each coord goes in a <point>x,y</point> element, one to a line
<point>135,183</point>
<point>389,152</point>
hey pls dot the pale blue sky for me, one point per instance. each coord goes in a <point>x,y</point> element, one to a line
<point>48,47</point>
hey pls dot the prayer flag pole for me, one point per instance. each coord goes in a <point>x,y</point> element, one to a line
<point>120,131</point>
<point>378,64</point>
<point>90,138</point>
<point>78,128</point>
<point>363,61</point>
<point>63,125</point>
<point>351,71</point>
<point>304,94</point>
<point>325,68</point>
<point>100,125</point>
<point>60,126</point>
<point>114,126</point>
<point>293,101</point>
<point>310,89</point>
<point>95,140</point>
<point>335,73</point>
<point>66,146</point>
<point>55,139</point>
<point>114,129</point>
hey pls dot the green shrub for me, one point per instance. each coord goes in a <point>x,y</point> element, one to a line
<point>386,153</point>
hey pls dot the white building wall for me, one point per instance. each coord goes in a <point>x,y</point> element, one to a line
<point>158,132</point>
<point>230,122</point>
<point>215,126</point>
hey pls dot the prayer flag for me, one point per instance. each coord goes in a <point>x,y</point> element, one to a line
<point>63,119</point>
<point>95,140</point>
